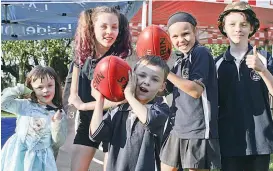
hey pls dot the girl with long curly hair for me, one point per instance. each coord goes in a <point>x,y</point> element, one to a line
<point>101,31</point>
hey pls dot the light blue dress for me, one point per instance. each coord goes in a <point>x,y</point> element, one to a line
<point>37,138</point>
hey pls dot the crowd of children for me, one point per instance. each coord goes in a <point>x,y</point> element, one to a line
<point>220,115</point>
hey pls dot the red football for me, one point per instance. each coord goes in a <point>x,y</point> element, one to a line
<point>111,77</point>
<point>153,40</point>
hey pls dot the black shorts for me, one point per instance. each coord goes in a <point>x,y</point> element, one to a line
<point>249,163</point>
<point>82,135</point>
<point>191,153</point>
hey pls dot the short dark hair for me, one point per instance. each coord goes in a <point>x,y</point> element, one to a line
<point>40,72</point>
<point>155,61</point>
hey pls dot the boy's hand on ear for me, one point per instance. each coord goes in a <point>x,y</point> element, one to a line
<point>131,85</point>
<point>254,61</point>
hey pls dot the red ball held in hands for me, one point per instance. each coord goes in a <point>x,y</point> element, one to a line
<point>111,77</point>
<point>153,40</point>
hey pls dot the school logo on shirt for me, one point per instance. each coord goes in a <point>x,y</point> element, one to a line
<point>255,76</point>
<point>185,73</point>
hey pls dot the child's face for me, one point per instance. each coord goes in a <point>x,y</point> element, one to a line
<point>106,28</point>
<point>182,35</point>
<point>44,89</point>
<point>237,27</point>
<point>150,80</point>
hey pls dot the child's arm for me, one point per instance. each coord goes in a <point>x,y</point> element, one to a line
<point>67,87</point>
<point>268,79</point>
<point>138,108</point>
<point>58,130</point>
<point>190,87</point>
<point>9,101</point>
<point>100,126</point>
<point>80,105</point>
<point>201,60</point>
<point>74,84</point>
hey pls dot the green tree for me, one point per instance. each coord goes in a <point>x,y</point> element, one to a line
<point>217,49</point>
<point>19,57</point>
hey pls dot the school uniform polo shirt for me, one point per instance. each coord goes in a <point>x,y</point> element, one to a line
<point>133,146</point>
<point>195,117</point>
<point>245,121</point>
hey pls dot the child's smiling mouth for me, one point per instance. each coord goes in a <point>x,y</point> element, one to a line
<point>46,97</point>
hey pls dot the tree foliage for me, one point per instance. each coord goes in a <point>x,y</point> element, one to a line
<point>19,57</point>
<point>217,49</point>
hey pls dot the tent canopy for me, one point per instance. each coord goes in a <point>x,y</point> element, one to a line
<point>207,13</point>
<point>29,20</point>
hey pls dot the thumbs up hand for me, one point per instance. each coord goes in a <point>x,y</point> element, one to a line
<point>254,61</point>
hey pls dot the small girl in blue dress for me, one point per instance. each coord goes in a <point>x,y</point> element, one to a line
<point>41,126</point>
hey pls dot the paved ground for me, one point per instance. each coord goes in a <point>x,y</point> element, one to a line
<point>64,157</point>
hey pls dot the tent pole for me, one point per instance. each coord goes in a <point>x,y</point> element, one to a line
<point>6,13</point>
<point>150,12</point>
<point>144,14</point>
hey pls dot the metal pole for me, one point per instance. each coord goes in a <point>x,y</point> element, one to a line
<point>144,14</point>
<point>150,12</point>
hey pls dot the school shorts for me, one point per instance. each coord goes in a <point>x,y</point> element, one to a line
<point>82,135</point>
<point>191,153</point>
<point>249,163</point>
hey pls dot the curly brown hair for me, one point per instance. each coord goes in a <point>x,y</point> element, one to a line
<point>85,36</point>
<point>40,72</point>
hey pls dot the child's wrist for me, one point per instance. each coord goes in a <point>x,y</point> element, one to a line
<point>100,98</point>
<point>262,70</point>
<point>83,106</point>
